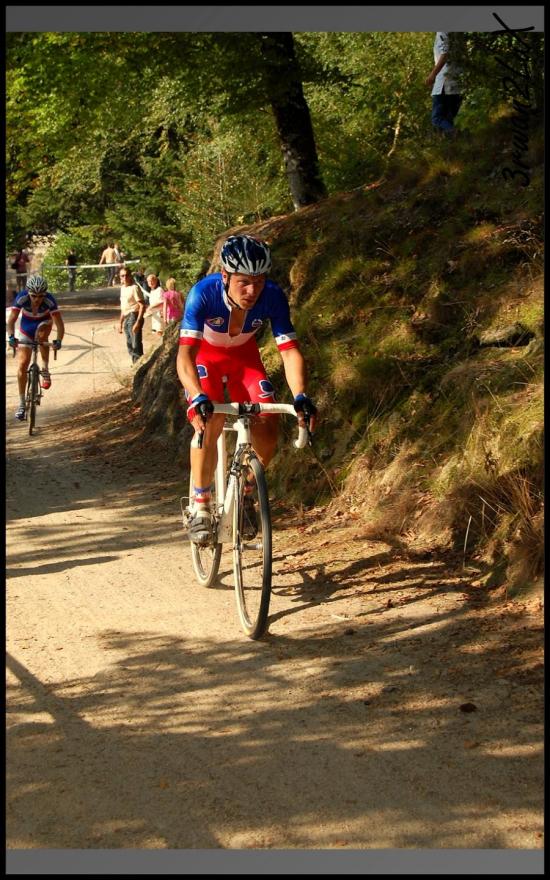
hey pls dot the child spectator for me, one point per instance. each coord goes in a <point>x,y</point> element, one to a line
<point>173,302</point>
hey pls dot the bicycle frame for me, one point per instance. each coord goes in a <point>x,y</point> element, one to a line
<point>229,488</point>
<point>226,487</point>
<point>33,392</point>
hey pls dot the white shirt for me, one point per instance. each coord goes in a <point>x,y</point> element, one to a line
<point>155,298</point>
<point>129,297</point>
<point>446,80</point>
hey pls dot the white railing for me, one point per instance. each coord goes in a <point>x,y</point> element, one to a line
<point>93,265</point>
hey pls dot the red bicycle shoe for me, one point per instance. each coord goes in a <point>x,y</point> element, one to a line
<point>45,379</point>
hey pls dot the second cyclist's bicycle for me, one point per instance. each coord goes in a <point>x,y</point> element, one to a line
<point>33,393</point>
<point>242,516</point>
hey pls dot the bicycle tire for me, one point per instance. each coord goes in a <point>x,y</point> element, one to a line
<point>252,556</point>
<point>205,559</point>
<point>32,390</point>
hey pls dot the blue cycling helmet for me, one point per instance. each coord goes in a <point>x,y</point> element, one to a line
<point>37,284</point>
<point>242,253</point>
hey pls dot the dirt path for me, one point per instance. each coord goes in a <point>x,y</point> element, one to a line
<point>140,716</point>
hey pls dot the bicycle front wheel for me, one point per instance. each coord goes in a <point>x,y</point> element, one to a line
<point>32,394</point>
<point>252,549</point>
<point>205,559</point>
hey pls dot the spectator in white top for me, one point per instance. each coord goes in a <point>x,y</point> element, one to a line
<point>156,304</point>
<point>446,97</point>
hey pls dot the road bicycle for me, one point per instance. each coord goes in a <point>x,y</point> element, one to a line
<point>33,394</point>
<point>241,515</point>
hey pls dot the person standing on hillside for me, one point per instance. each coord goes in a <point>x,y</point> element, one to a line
<point>109,257</point>
<point>446,97</point>
<point>223,313</point>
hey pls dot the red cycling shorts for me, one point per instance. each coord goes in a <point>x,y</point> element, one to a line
<point>240,369</point>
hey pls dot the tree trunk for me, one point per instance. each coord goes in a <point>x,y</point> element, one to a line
<point>284,87</point>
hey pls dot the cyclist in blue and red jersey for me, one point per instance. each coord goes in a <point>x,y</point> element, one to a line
<point>223,313</point>
<point>38,311</point>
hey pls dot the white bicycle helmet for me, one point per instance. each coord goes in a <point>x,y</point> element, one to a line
<point>242,253</point>
<point>37,284</point>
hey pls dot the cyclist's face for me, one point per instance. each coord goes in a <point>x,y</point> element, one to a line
<point>36,297</point>
<point>244,289</point>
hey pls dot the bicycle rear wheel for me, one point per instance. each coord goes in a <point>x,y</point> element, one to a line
<point>205,559</point>
<point>252,552</point>
<point>32,393</point>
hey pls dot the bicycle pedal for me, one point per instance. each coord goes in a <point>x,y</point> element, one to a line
<point>251,545</point>
<point>185,511</point>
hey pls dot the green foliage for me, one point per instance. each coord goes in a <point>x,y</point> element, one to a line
<point>503,65</point>
<point>378,97</point>
<point>164,174</point>
<point>196,152</point>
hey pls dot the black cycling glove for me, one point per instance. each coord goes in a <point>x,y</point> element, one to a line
<point>202,405</point>
<point>303,404</point>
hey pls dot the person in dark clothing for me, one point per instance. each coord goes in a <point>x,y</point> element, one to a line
<point>140,279</point>
<point>70,262</point>
<point>20,265</point>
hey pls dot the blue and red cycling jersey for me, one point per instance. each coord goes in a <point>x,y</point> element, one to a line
<point>22,305</point>
<point>207,314</point>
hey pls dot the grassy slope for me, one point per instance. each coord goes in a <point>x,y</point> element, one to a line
<point>428,437</point>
